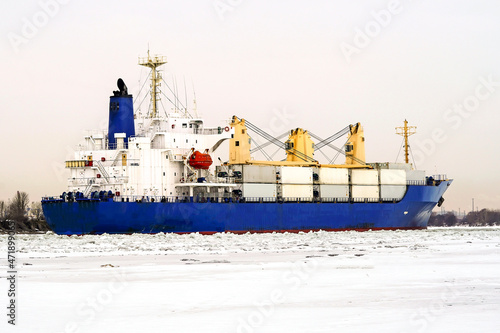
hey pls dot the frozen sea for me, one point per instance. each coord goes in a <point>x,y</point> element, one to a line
<point>435,280</point>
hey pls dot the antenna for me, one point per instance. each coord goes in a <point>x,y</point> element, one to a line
<point>194,100</point>
<point>153,63</point>
<point>175,94</point>
<point>185,96</point>
<point>406,131</point>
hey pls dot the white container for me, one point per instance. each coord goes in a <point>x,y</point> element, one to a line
<point>259,174</point>
<point>392,177</point>
<point>297,191</point>
<point>402,166</point>
<point>331,176</point>
<point>415,175</point>
<point>296,175</point>
<point>334,191</point>
<point>365,191</point>
<point>259,190</point>
<point>364,177</point>
<point>392,192</point>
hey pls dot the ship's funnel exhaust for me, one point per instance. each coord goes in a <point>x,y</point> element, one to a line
<point>121,115</point>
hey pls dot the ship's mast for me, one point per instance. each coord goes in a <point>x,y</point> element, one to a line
<point>153,63</point>
<point>406,131</point>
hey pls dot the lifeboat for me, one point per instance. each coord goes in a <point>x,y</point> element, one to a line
<point>200,160</point>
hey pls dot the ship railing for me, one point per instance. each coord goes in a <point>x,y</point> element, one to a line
<point>150,198</point>
<point>167,128</point>
<point>171,199</point>
<point>114,146</point>
<point>298,199</point>
<point>213,199</point>
<point>393,200</point>
<point>229,198</point>
<point>222,198</point>
<point>225,198</point>
<point>415,182</point>
<point>365,199</point>
<point>208,131</point>
<point>333,200</point>
<point>117,161</point>
<point>84,181</point>
<point>114,161</point>
<point>52,199</point>
<point>260,200</point>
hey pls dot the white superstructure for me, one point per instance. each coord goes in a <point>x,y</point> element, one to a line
<point>155,160</point>
<point>151,163</point>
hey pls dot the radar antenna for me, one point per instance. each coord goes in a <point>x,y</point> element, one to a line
<point>153,63</point>
<point>405,132</point>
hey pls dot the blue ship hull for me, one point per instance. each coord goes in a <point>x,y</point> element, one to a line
<point>86,217</point>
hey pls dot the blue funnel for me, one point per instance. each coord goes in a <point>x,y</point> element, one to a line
<point>121,115</point>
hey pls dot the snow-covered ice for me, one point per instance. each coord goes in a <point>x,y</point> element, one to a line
<point>435,280</point>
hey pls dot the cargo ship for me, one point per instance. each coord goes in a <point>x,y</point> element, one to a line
<point>154,172</point>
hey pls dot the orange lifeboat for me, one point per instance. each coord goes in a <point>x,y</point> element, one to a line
<point>200,160</point>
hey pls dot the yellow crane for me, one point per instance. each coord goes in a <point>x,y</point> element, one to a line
<point>299,147</point>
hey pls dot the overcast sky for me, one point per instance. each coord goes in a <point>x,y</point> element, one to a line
<point>319,65</point>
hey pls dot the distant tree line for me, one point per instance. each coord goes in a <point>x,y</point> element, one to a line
<point>482,218</point>
<point>27,217</point>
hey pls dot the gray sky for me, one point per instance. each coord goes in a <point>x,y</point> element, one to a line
<point>319,65</point>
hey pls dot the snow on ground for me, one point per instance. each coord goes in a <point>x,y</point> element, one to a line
<point>436,280</point>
